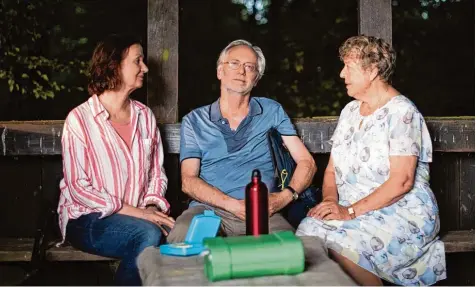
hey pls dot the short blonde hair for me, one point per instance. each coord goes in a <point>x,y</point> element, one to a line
<point>372,52</point>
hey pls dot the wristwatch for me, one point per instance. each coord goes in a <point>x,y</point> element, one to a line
<point>351,212</point>
<point>295,194</point>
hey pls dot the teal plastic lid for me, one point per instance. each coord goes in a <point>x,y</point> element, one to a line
<point>202,226</point>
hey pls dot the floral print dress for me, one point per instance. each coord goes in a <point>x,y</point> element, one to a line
<point>399,242</point>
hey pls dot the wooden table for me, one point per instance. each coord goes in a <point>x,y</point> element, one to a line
<point>156,269</point>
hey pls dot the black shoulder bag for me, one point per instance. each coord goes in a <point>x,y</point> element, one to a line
<point>285,166</point>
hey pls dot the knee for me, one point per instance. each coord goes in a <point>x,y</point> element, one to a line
<point>178,233</point>
<point>148,237</point>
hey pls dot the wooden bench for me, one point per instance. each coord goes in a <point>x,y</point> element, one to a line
<point>20,249</point>
<point>40,142</point>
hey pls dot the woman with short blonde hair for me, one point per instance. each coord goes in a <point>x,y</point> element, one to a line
<point>379,217</point>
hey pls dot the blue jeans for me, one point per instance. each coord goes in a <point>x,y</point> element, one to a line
<point>119,236</point>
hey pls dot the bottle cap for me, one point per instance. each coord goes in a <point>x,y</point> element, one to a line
<point>256,173</point>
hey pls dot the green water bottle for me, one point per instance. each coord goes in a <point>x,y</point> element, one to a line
<point>280,253</point>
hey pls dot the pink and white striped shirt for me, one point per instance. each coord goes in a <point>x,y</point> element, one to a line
<point>101,172</point>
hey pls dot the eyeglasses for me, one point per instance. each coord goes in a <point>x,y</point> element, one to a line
<point>235,65</point>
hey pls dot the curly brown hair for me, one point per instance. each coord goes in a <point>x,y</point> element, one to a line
<point>104,69</point>
<point>372,52</point>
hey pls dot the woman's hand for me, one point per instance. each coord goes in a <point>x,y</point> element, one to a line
<point>329,210</point>
<point>158,218</point>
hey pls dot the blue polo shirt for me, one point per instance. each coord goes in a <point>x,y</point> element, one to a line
<point>228,157</point>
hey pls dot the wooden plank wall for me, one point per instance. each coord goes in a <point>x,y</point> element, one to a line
<point>28,180</point>
<point>452,181</point>
<point>466,188</point>
<point>20,189</point>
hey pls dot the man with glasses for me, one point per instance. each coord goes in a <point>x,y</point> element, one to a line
<point>223,142</point>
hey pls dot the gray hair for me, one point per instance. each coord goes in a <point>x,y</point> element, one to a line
<point>259,54</point>
<point>372,52</point>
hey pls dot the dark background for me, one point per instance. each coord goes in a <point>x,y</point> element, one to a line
<point>45,46</point>
<point>434,40</point>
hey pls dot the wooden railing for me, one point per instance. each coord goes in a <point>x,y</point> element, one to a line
<point>44,137</point>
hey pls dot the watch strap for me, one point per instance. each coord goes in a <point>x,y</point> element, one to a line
<point>294,192</point>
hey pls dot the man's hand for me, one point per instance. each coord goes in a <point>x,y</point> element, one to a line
<point>238,208</point>
<point>278,200</point>
<point>329,210</point>
<point>158,218</point>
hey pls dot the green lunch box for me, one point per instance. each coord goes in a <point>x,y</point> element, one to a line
<point>280,253</point>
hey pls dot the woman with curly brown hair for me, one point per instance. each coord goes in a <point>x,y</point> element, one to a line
<point>112,194</point>
<point>379,217</point>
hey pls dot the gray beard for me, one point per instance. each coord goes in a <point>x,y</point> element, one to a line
<point>241,93</point>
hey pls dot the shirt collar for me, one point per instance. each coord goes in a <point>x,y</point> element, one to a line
<point>215,113</point>
<point>97,107</point>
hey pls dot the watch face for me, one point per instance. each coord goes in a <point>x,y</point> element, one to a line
<point>295,195</point>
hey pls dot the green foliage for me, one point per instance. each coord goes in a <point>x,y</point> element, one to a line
<point>33,48</point>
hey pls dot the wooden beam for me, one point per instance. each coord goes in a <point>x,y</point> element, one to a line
<point>459,241</point>
<point>69,253</point>
<point>15,249</point>
<point>375,18</point>
<point>162,59</point>
<point>31,138</point>
<point>19,249</point>
<point>44,138</point>
<point>448,135</point>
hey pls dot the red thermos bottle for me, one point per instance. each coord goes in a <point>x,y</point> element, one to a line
<point>256,201</point>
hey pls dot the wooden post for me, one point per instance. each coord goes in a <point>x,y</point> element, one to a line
<point>162,59</point>
<point>375,18</point>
